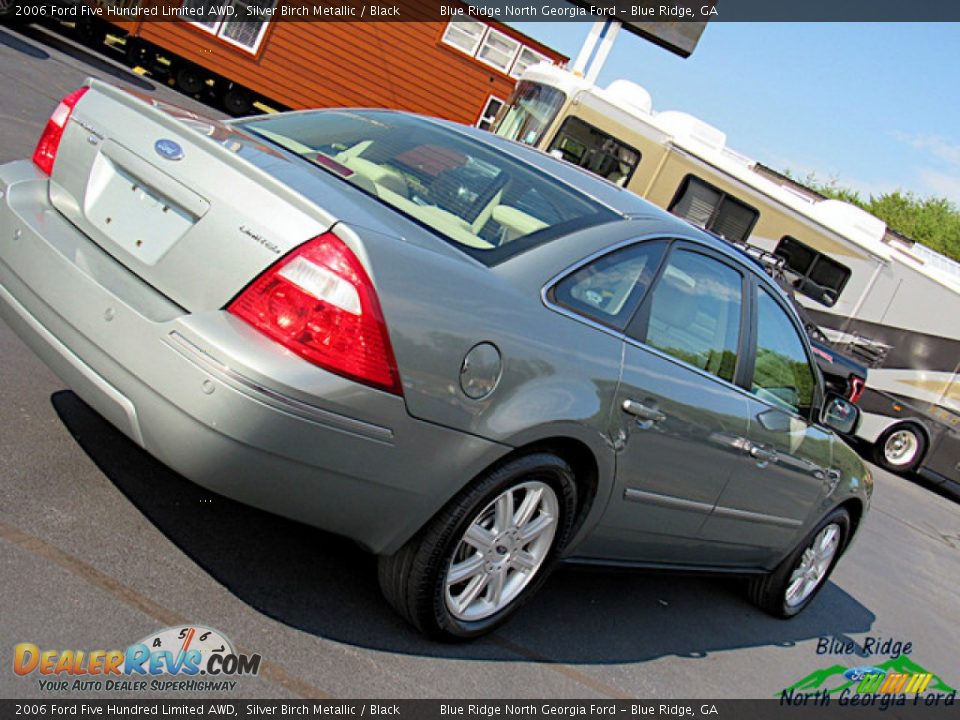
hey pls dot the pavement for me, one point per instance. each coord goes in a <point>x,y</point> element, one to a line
<point>101,546</point>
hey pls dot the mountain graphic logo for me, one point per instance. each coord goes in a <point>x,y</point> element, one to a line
<point>837,678</point>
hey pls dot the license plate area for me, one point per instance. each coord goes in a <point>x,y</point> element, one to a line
<point>133,213</point>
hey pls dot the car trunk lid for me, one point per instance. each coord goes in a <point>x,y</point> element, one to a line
<point>182,200</point>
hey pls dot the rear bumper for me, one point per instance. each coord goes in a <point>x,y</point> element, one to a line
<point>213,399</point>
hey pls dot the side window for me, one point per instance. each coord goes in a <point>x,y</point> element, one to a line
<point>812,273</point>
<point>694,313</point>
<point>708,207</point>
<point>582,144</point>
<point>782,373</point>
<point>490,111</point>
<point>609,290</point>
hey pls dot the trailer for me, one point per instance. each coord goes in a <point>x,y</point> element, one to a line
<point>460,70</point>
<point>883,299</point>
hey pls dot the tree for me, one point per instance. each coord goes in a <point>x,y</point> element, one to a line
<point>932,221</point>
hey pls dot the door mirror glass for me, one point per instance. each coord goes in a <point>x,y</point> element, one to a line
<point>840,415</point>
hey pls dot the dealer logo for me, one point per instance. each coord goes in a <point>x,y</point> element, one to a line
<point>897,681</point>
<point>181,653</point>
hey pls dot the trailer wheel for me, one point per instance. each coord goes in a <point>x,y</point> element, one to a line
<point>90,32</point>
<point>190,79</point>
<point>137,52</point>
<point>237,101</point>
<point>900,448</point>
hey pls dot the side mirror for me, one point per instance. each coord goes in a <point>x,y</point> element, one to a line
<point>839,414</point>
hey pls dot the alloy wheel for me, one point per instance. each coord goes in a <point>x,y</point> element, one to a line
<point>501,551</point>
<point>814,565</point>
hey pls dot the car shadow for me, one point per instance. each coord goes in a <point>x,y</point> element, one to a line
<point>325,585</point>
<point>49,38</point>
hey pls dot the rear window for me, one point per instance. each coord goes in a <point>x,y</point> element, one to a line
<point>475,196</point>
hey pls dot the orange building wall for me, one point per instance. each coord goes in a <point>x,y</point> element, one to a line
<point>372,64</point>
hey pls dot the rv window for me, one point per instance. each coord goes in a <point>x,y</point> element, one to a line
<point>708,207</point>
<point>582,144</point>
<point>812,273</point>
<point>530,111</point>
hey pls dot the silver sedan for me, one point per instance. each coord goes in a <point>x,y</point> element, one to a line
<point>471,358</point>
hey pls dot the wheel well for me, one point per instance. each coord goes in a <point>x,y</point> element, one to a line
<point>580,459</point>
<point>855,509</point>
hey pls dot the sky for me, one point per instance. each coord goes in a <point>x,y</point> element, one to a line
<point>874,106</point>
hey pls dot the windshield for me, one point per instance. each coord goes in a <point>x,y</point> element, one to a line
<point>471,194</point>
<point>529,112</point>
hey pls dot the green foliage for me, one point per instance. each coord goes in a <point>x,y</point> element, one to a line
<point>933,221</point>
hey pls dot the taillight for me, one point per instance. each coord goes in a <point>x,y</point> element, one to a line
<point>319,302</point>
<point>46,151</point>
<point>857,386</point>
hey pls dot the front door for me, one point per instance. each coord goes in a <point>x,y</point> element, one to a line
<point>786,469</point>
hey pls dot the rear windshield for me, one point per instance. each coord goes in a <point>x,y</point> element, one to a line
<point>475,196</point>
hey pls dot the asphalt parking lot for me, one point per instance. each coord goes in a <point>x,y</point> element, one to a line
<point>100,546</point>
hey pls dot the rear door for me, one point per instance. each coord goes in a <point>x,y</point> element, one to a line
<point>786,472</point>
<point>680,422</point>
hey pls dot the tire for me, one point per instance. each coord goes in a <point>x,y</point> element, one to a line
<point>190,80</point>
<point>417,580</point>
<point>137,53</point>
<point>900,448</point>
<point>782,593</point>
<point>237,101</point>
<point>91,32</point>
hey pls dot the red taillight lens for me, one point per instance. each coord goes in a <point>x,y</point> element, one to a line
<point>319,302</point>
<point>857,386</point>
<point>46,151</point>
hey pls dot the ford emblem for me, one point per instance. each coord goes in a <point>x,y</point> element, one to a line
<point>168,149</point>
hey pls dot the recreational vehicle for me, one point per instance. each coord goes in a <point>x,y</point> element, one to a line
<point>890,302</point>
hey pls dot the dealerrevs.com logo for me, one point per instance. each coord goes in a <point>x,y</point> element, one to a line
<point>193,658</point>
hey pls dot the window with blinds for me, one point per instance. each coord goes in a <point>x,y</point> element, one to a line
<point>812,273</point>
<point>706,206</point>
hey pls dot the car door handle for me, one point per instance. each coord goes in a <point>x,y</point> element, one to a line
<point>643,412</point>
<point>758,452</point>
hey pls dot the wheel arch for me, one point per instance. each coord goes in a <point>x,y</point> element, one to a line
<point>855,509</point>
<point>592,474</point>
